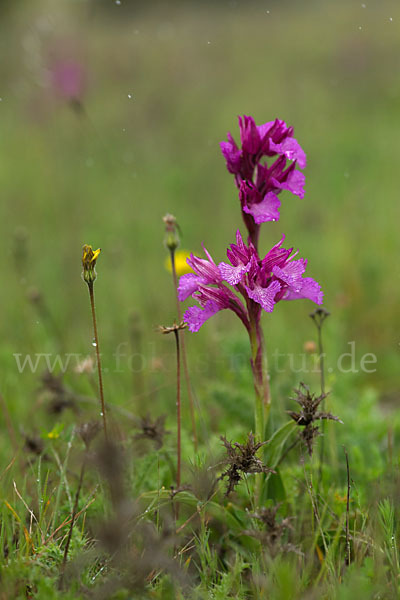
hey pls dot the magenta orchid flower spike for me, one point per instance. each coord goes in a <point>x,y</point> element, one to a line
<point>266,163</point>
<point>260,179</point>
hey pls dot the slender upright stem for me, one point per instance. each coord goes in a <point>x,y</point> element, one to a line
<point>96,341</point>
<point>178,408</point>
<point>321,360</point>
<point>322,376</point>
<point>260,377</point>
<point>183,348</point>
<point>261,387</point>
<point>72,523</point>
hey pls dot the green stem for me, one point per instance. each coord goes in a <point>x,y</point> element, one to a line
<point>261,379</point>
<point>261,387</point>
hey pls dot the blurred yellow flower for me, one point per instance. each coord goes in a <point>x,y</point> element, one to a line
<point>54,434</point>
<point>181,265</point>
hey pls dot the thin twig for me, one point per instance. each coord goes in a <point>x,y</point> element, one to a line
<point>178,407</point>
<point>67,521</point>
<point>96,341</point>
<point>183,348</point>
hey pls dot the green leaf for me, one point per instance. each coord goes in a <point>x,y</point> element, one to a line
<point>273,450</point>
<point>276,488</point>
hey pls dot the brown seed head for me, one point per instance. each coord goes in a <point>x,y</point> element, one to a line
<point>173,328</point>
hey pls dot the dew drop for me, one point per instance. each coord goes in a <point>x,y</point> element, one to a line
<point>208,42</point>
<point>391,19</point>
<point>267,12</point>
<point>130,96</point>
<point>102,414</point>
<point>94,343</point>
<point>360,27</point>
<point>118,2</point>
<point>363,6</point>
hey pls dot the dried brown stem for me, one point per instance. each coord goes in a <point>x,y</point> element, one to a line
<point>178,408</point>
<point>96,341</point>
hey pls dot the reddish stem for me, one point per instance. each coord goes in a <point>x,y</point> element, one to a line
<point>96,341</point>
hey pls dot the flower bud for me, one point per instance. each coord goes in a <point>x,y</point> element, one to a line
<point>171,239</point>
<point>89,262</point>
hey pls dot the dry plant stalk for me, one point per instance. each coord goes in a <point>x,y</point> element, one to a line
<point>89,259</point>
<point>172,243</point>
<point>176,329</point>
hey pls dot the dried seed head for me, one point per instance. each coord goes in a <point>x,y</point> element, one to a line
<point>309,413</point>
<point>34,445</point>
<point>273,531</point>
<point>242,459</point>
<point>88,432</point>
<point>175,327</point>
<point>171,239</point>
<point>152,430</point>
<point>89,262</point>
<point>318,316</point>
<point>85,366</point>
<point>55,394</point>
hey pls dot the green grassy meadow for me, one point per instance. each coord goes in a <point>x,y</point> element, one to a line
<point>164,82</point>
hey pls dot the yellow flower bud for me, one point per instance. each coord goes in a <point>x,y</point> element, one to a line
<point>89,262</point>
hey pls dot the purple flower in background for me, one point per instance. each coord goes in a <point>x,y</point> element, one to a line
<point>69,79</point>
<point>260,182</point>
<point>278,276</point>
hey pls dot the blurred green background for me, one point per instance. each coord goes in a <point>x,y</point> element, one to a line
<point>163,83</point>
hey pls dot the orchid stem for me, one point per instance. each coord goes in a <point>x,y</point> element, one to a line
<point>183,349</point>
<point>261,388</point>
<point>96,341</point>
